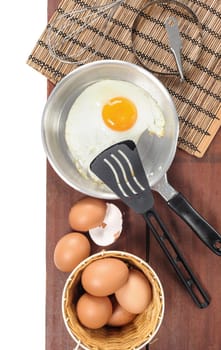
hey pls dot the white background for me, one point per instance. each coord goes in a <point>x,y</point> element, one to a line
<point>23,180</point>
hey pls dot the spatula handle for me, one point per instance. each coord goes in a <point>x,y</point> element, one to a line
<point>190,281</point>
<point>198,224</point>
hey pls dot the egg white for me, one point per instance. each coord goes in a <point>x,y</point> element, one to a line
<point>85,131</point>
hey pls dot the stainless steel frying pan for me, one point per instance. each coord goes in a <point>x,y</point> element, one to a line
<point>157,154</point>
<point>62,98</point>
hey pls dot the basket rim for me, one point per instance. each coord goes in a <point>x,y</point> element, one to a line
<point>111,253</point>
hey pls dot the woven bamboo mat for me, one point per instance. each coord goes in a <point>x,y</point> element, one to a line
<point>197,99</point>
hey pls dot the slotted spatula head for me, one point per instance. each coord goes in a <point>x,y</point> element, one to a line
<point>121,169</point>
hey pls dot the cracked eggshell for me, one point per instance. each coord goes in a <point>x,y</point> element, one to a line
<point>111,228</point>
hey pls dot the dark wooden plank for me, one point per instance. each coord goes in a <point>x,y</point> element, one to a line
<point>185,326</point>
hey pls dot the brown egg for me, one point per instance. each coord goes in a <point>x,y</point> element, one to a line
<point>93,312</point>
<point>70,250</point>
<point>136,293</point>
<point>120,316</point>
<point>104,276</point>
<point>87,213</point>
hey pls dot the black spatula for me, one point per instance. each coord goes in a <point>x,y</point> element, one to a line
<point>120,168</point>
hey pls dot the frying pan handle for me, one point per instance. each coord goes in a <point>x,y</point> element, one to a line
<point>176,259</point>
<point>198,224</point>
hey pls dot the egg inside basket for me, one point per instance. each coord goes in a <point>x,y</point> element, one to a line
<point>136,334</point>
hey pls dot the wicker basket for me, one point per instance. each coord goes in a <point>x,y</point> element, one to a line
<point>134,335</point>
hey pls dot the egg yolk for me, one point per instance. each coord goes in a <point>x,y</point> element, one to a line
<point>119,114</point>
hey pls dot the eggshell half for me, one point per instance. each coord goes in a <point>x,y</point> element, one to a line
<point>111,228</point>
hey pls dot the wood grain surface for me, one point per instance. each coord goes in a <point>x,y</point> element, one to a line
<point>185,327</point>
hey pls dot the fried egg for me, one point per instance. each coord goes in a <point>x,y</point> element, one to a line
<point>107,112</point>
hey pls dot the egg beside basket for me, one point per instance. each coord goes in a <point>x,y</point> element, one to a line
<point>136,334</point>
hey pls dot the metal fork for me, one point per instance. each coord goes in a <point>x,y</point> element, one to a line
<point>172,29</point>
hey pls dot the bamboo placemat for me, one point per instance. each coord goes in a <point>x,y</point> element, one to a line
<point>197,99</point>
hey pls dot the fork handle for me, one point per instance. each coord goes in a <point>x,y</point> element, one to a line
<point>165,240</point>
